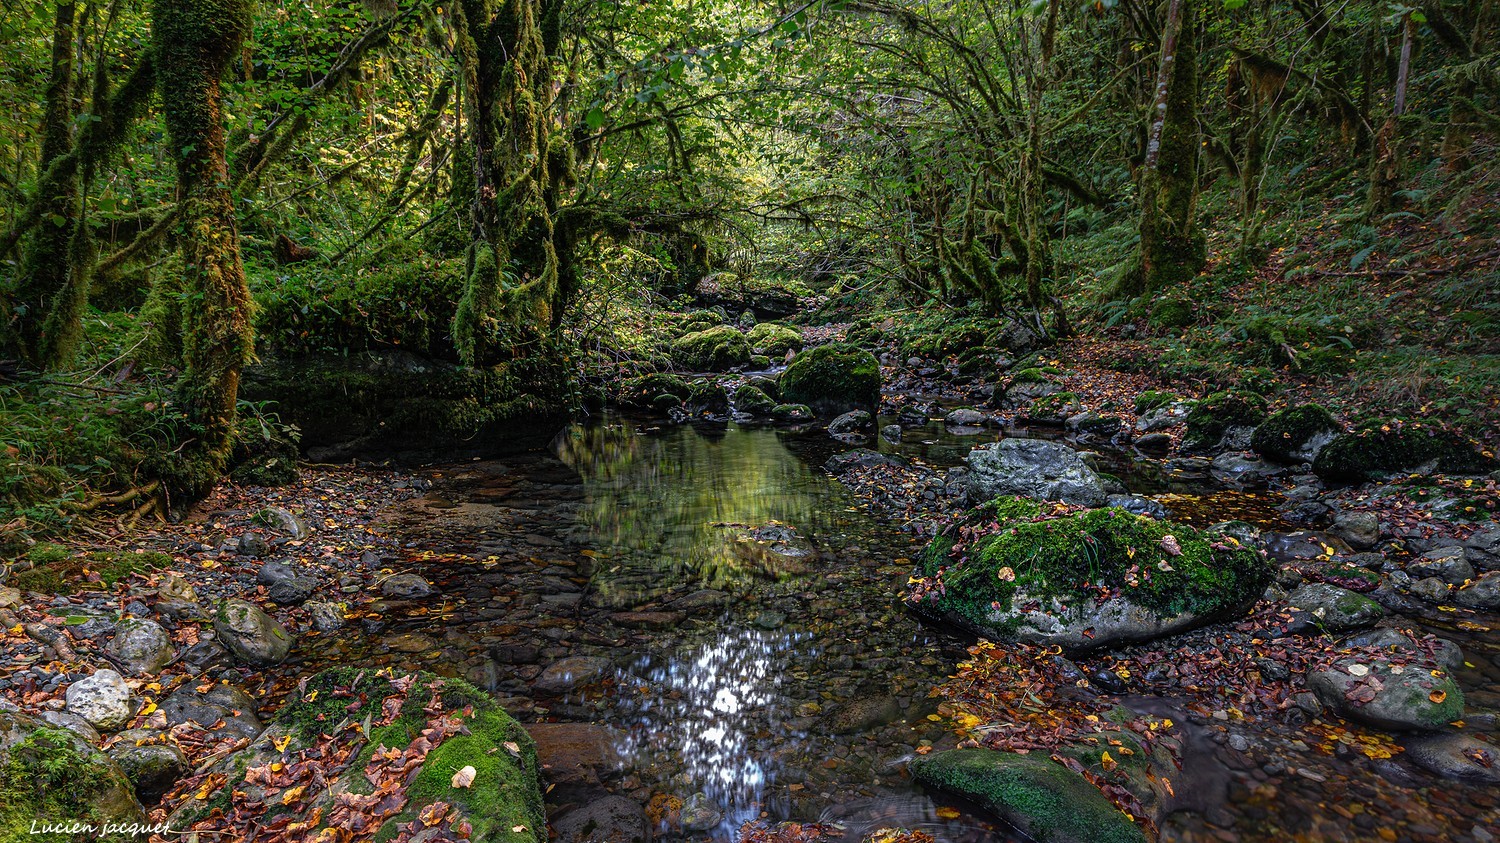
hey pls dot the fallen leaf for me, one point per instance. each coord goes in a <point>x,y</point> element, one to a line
<point>465,777</point>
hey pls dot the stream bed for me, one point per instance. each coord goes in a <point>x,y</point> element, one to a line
<point>733,649</point>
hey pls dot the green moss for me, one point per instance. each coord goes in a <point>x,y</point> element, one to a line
<point>71,575</point>
<point>1212,417</point>
<point>1083,554</point>
<point>1152,399</point>
<point>708,396</point>
<point>505,794</point>
<point>833,379</point>
<point>792,412</point>
<point>1170,313</point>
<point>51,774</point>
<point>1288,431</point>
<point>751,399</point>
<point>1397,446</point>
<point>1047,801</point>
<point>712,350</point>
<point>1036,374</point>
<point>774,339</point>
<point>1058,405</point>
<point>646,390</point>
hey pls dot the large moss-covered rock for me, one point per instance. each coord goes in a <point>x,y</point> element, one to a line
<point>1396,446</point>
<point>751,399</point>
<point>52,775</point>
<point>716,349</point>
<point>397,742</point>
<point>774,338</point>
<point>1213,416</point>
<point>654,390</point>
<point>1045,800</point>
<point>251,634</point>
<point>1295,434</point>
<point>833,379</point>
<point>1082,581</point>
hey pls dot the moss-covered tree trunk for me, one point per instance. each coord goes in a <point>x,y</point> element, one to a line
<point>194,42</point>
<point>1172,247</point>
<point>44,252</point>
<point>511,295</point>
<point>1385,158</point>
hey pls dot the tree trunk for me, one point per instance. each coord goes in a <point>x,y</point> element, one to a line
<point>1172,247</point>
<point>1385,159</point>
<point>512,298</point>
<point>44,252</point>
<point>194,42</point>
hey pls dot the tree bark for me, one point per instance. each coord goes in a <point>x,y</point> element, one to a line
<point>194,42</point>
<point>512,297</point>
<point>44,252</point>
<point>1385,159</point>
<point>1172,247</point>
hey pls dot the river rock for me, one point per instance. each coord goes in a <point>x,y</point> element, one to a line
<point>1483,548</point>
<point>891,433</point>
<point>1137,505</point>
<point>224,710</point>
<point>1389,696</point>
<point>1407,646</point>
<point>1482,594</point>
<point>103,699</point>
<point>250,634</point>
<point>1446,563</point>
<point>700,814</point>
<point>407,587</point>
<point>253,545</point>
<point>853,424</point>
<point>1043,799</point>
<point>610,819</point>
<point>142,646</point>
<point>573,673</point>
<point>82,783</point>
<point>326,617</point>
<point>1431,589</point>
<point>292,592</point>
<point>283,520</point>
<point>966,417</point>
<point>1456,756</point>
<point>151,762</point>
<point>863,714</point>
<point>577,754</point>
<point>1333,609</point>
<point>648,620</point>
<point>1032,468</point>
<point>1360,529</point>
<point>1154,443</point>
<point>72,722</point>
<point>858,458</point>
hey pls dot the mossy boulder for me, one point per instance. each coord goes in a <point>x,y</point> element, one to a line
<point>52,775</point>
<point>1213,416</point>
<point>1153,399</point>
<point>250,634</point>
<point>1296,434</point>
<point>708,397</point>
<point>1046,801</point>
<point>1054,409</point>
<point>1090,579</point>
<point>1396,446</point>
<point>792,413</point>
<point>646,391</point>
<point>833,379</point>
<point>751,399</point>
<point>774,339</point>
<point>716,349</point>
<point>413,731</point>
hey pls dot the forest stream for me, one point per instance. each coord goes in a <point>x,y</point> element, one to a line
<point>706,623</point>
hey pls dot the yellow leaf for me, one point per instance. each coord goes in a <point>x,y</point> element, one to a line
<point>947,813</point>
<point>281,743</point>
<point>1438,696</point>
<point>147,708</point>
<point>293,794</point>
<point>311,697</point>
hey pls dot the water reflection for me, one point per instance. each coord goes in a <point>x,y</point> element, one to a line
<point>683,503</point>
<point>701,711</point>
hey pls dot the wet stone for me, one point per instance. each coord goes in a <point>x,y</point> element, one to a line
<point>648,620</point>
<point>407,587</point>
<point>573,673</point>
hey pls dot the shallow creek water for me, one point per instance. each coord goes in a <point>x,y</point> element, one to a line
<point>779,677</point>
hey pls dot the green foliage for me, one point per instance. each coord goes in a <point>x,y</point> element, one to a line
<point>52,773</point>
